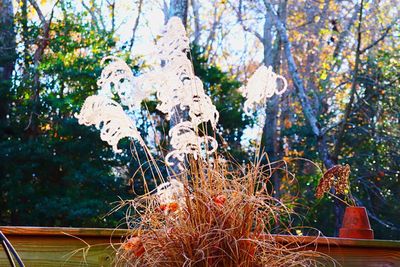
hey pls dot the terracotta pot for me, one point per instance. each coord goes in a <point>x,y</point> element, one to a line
<point>356,224</point>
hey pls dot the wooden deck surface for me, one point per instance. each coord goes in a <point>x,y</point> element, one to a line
<point>43,246</point>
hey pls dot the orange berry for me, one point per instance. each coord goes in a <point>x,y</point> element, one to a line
<point>135,245</point>
<point>173,206</point>
<point>219,200</point>
<point>170,207</point>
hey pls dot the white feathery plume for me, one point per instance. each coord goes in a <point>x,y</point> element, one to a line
<point>174,43</point>
<point>184,138</point>
<point>107,115</point>
<point>183,88</point>
<point>175,85</point>
<point>201,108</point>
<point>184,141</point>
<point>118,77</point>
<point>262,84</point>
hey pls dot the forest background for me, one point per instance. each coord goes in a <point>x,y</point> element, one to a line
<point>342,106</point>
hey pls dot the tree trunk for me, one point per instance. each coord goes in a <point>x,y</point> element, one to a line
<point>178,8</point>
<point>42,43</point>
<point>7,62</point>
<point>7,59</point>
<point>196,18</point>
<point>270,136</point>
<point>25,37</point>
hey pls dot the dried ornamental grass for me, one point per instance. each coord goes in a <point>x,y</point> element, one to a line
<point>225,219</point>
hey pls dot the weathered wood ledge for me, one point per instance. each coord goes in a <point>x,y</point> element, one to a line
<point>63,246</point>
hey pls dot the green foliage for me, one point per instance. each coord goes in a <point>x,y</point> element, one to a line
<point>62,174</point>
<point>373,141</point>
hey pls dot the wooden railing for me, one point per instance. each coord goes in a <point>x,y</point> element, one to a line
<point>43,246</point>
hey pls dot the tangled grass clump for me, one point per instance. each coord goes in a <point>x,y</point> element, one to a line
<point>225,219</point>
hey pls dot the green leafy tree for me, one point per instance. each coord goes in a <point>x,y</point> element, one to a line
<point>61,173</point>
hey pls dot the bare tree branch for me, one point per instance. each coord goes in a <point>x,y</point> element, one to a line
<point>196,17</point>
<point>381,38</point>
<point>92,14</point>
<point>298,82</point>
<point>340,132</point>
<point>240,20</point>
<point>38,11</point>
<point>135,26</point>
<point>111,6</point>
<point>340,45</point>
<point>211,35</point>
<point>42,44</point>
<point>98,11</point>
<point>346,32</point>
